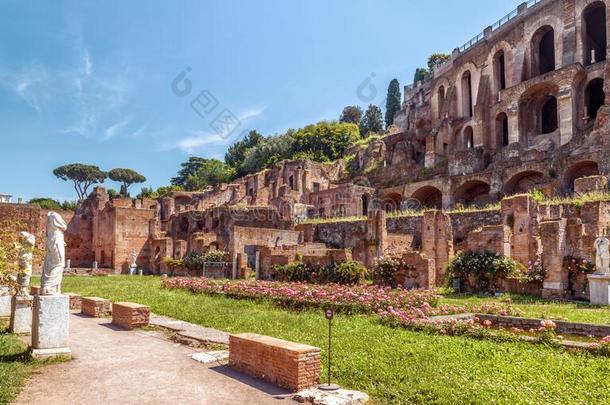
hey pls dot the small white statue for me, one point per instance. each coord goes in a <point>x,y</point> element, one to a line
<point>55,256</point>
<point>602,255</point>
<point>133,256</point>
<point>26,249</point>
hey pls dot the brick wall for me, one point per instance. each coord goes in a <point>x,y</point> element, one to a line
<point>289,365</point>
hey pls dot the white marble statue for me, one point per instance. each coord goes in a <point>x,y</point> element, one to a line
<point>133,256</point>
<point>26,251</point>
<point>602,255</point>
<point>55,256</point>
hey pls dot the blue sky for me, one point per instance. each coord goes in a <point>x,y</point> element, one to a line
<point>91,81</point>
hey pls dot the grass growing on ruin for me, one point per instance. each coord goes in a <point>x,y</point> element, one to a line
<point>394,366</point>
<point>15,365</point>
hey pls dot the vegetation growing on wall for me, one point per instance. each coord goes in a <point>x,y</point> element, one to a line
<point>487,268</point>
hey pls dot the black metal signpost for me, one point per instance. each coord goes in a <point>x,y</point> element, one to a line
<point>328,314</point>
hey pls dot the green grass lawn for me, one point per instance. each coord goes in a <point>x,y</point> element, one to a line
<point>15,365</point>
<point>395,366</point>
<point>534,307</point>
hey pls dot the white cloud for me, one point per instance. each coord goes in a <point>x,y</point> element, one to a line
<point>251,113</point>
<point>116,128</point>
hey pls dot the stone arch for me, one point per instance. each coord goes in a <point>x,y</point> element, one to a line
<point>473,192</point>
<point>391,202</point>
<point>543,51</point>
<point>440,97</point>
<point>577,170</point>
<point>429,197</point>
<point>467,102</point>
<point>594,33</point>
<point>467,69</point>
<point>501,49</point>
<point>502,130</point>
<point>538,112</point>
<point>468,137</point>
<point>523,182</point>
<point>594,97</point>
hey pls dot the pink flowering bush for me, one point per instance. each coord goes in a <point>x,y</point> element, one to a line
<point>603,346</point>
<point>353,299</point>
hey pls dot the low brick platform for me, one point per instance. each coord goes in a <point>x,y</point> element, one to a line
<point>563,327</point>
<point>129,315</point>
<point>75,300</point>
<point>95,306</point>
<point>289,365</point>
<point>34,290</point>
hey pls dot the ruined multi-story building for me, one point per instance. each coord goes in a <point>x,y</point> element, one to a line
<point>523,106</point>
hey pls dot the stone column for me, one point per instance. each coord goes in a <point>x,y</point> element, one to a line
<point>21,314</point>
<point>599,289</point>
<point>5,301</point>
<point>566,114</point>
<point>50,326</point>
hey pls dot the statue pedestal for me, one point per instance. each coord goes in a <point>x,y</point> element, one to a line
<point>599,289</point>
<point>5,301</point>
<point>50,326</point>
<point>21,314</point>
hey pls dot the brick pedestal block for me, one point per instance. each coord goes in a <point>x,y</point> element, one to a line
<point>75,301</point>
<point>129,315</point>
<point>95,307</point>
<point>34,290</point>
<point>289,365</point>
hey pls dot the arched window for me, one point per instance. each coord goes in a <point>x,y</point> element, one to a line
<point>468,138</point>
<point>594,33</point>
<point>500,70</point>
<point>502,129</point>
<point>441,101</point>
<point>467,94</point>
<point>594,97</point>
<point>548,116</point>
<point>543,51</point>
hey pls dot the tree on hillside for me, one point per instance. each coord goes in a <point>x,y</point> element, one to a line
<point>351,114</point>
<point>112,193</point>
<point>188,168</point>
<point>46,203</point>
<point>82,175</point>
<point>392,105</point>
<point>148,192</point>
<point>237,152</point>
<point>420,75</point>
<point>126,177</point>
<point>325,141</point>
<point>210,173</point>
<point>372,121</point>
<point>437,59</point>
<point>268,152</point>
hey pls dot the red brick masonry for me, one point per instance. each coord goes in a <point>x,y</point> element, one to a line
<point>34,290</point>
<point>129,315</point>
<point>75,300</point>
<point>95,307</point>
<point>289,365</point>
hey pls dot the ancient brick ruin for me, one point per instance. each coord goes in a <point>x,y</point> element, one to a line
<point>524,106</point>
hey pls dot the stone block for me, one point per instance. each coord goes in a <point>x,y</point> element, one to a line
<point>95,306</point>
<point>21,315</point>
<point>75,301</point>
<point>287,364</point>
<point>5,301</point>
<point>129,315</point>
<point>599,289</point>
<point>50,326</point>
<point>34,290</point>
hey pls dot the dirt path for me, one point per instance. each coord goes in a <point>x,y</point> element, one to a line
<point>113,366</point>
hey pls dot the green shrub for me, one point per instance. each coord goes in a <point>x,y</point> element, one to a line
<point>349,272</point>
<point>487,268</point>
<point>342,273</point>
<point>194,260</point>
<point>295,271</point>
<point>385,269</point>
